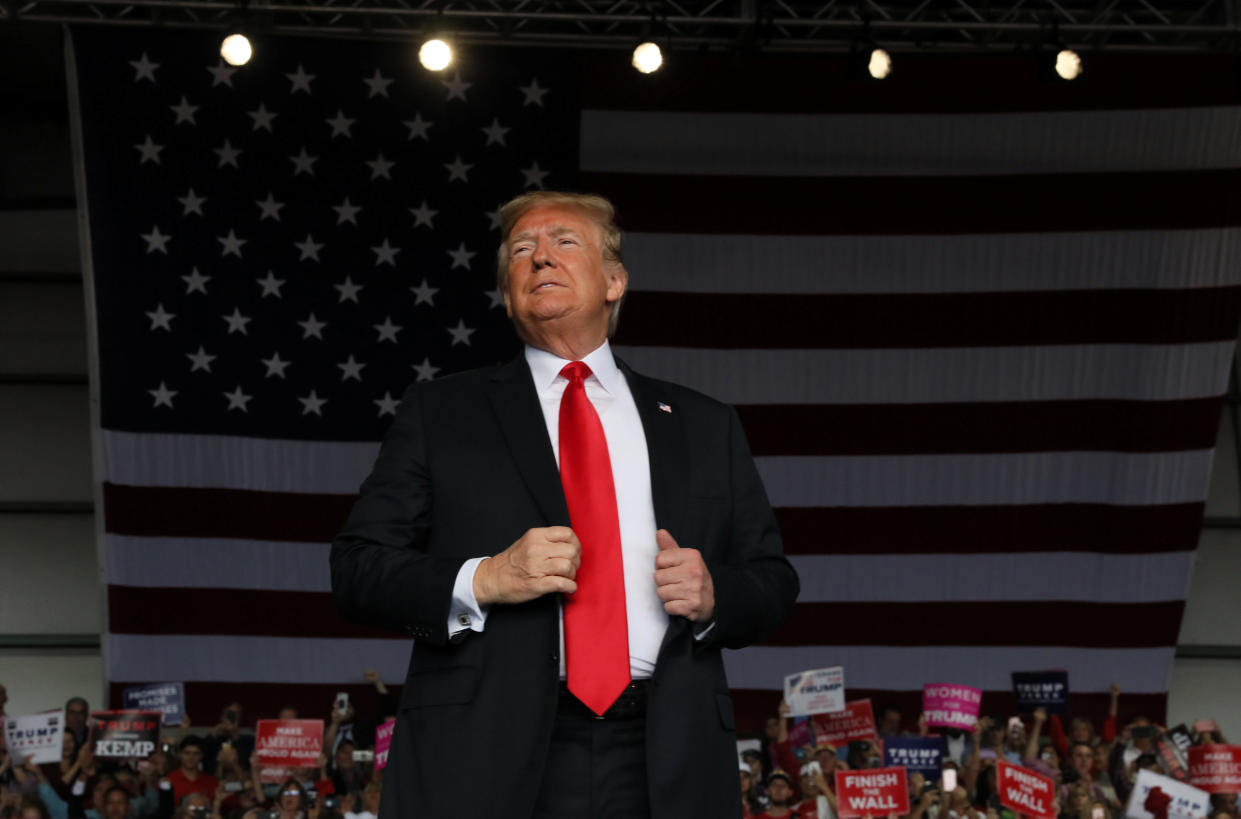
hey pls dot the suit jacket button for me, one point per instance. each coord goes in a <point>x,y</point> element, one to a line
<point>555,660</point>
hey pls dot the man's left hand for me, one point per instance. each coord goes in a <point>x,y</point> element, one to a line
<point>682,580</point>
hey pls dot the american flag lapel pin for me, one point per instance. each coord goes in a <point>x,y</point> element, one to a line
<point>664,407</point>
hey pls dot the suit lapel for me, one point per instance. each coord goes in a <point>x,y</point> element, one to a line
<point>517,410</point>
<point>666,449</point>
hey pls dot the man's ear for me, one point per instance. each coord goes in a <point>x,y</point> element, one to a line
<point>618,282</point>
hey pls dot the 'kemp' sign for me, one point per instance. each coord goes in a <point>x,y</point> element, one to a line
<point>871,792</point>
<point>125,734</point>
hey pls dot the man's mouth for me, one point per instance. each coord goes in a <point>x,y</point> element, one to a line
<point>545,285</point>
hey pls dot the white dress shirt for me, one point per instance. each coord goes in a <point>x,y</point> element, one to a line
<point>608,392</point>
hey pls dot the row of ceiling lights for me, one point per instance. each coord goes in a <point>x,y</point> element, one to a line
<point>436,54</point>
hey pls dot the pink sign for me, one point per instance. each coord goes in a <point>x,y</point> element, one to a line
<point>383,741</point>
<point>951,706</point>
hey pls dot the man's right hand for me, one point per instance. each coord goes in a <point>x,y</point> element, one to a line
<point>542,561</point>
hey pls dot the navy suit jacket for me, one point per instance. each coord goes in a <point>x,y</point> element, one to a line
<point>465,470</point>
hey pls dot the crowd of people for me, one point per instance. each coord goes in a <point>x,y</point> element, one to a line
<point>1093,770</point>
<point>201,774</point>
<point>215,773</point>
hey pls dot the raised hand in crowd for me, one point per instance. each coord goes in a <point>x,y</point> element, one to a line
<point>372,677</point>
<point>1031,749</point>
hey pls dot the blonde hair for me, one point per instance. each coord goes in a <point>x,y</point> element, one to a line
<point>598,209</point>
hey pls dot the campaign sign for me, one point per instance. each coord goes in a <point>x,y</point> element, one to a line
<point>167,698</point>
<point>873,792</point>
<point>383,741</point>
<point>951,706</point>
<point>285,744</point>
<point>1048,690</point>
<point>1173,759</point>
<point>1181,738</point>
<point>856,722</point>
<point>128,734</point>
<point>819,691</point>
<point>36,735</point>
<point>1184,801</point>
<point>923,755</point>
<point>1024,791</point>
<point>1215,768</point>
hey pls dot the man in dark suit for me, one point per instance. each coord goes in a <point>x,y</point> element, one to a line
<point>570,544</point>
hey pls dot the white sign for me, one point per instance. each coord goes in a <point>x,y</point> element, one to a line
<point>1187,802</point>
<point>39,735</point>
<point>819,691</point>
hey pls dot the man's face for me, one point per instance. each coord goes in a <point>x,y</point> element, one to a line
<point>75,715</point>
<point>772,727</point>
<point>100,789</point>
<point>1083,759</point>
<point>890,723</point>
<point>827,761</point>
<point>809,788</point>
<point>779,792</point>
<point>287,713</point>
<point>344,756</point>
<point>290,798</point>
<point>747,781</point>
<point>556,271</point>
<point>115,806</point>
<point>191,755</point>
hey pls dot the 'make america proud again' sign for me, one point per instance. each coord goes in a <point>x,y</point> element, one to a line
<point>873,792</point>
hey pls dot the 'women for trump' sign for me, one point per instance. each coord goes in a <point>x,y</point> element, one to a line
<point>950,706</point>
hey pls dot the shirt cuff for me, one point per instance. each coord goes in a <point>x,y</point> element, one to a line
<point>699,635</point>
<point>465,613</point>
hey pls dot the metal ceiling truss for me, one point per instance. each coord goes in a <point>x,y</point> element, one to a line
<point>766,25</point>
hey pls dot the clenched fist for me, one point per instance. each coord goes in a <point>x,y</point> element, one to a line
<point>542,561</point>
<point>682,580</point>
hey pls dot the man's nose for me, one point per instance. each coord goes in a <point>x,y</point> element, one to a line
<point>541,257</point>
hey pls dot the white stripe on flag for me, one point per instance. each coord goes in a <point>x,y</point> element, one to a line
<point>753,144</point>
<point>1142,372</point>
<point>985,263</point>
<point>981,480</point>
<point>866,480</point>
<point>1044,576</point>
<point>1144,670</point>
<point>226,658</point>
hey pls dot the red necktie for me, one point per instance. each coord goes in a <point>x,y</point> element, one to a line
<point>596,632</point>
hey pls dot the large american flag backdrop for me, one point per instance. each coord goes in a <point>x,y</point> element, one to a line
<point>977,327</point>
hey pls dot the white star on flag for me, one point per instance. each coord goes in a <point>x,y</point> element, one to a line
<point>351,369</point>
<point>275,367</point>
<point>461,257</point>
<point>262,118</point>
<point>271,285</point>
<point>341,125</point>
<point>156,240</point>
<point>424,293</point>
<point>227,154</point>
<point>149,150</point>
<point>425,371</point>
<point>460,334</point>
<point>195,282</point>
<point>236,322</point>
<point>348,291</point>
<point>162,395</point>
<point>303,163</point>
<point>160,318</point>
<point>184,111</point>
<point>495,132</point>
<point>300,79</point>
<point>238,399</point>
<point>380,167</point>
<point>423,215</point>
<point>232,244</point>
<point>533,93</point>
<point>534,176</point>
<point>387,405</point>
<point>200,360</point>
<point>457,170</point>
<point>144,69</point>
<point>312,327</point>
<point>377,84</point>
<point>309,248</point>
<point>387,331</point>
<point>192,203</point>
<point>221,74</point>
<point>270,207</point>
<point>346,212</point>
<point>385,254</point>
<point>417,127</point>
<point>312,404</point>
<point>456,87</point>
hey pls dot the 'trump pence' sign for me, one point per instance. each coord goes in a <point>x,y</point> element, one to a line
<point>874,792</point>
<point>921,754</point>
<point>1048,690</point>
<point>820,691</point>
<point>40,736</point>
<point>1184,801</point>
<point>1024,791</point>
<point>951,706</point>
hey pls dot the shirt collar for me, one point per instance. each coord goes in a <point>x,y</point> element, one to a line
<point>546,367</point>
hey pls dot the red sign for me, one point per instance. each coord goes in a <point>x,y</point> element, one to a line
<point>856,722</point>
<point>871,792</point>
<point>1215,768</point>
<point>1025,792</point>
<point>286,744</point>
